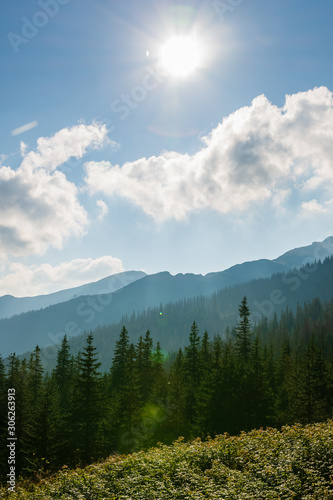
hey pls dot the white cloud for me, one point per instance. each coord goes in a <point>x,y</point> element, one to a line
<point>260,152</point>
<point>68,142</point>
<point>3,158</point>
<point>22,280</point>
<point>39,207</point>
<point>103,209</point>
<point>23,148</point>
<point>313,207</point>
<point>24,128</point>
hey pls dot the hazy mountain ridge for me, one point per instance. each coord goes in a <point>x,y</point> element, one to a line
<point>171,324</point>
<point>45,327</point>
<point>318,250</point>
<point>10,305</point>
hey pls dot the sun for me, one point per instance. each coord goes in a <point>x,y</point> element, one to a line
<point>180,56</point>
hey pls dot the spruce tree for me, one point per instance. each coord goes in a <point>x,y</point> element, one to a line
<point>63,373</point>
<point>46,443</point>
<point>217,400</point>
<point>259,395</point>
<point>192,367</point>
<point>313,390</point>
<point>230,418</point>
<point>88,408</point>
<point>203,417</point>
<point>177,422</point>
<point>34,406</point>
<point>284,385</point>
<point>145,366</point>
<point>119,362</point>
<point>63,376</point>
<point>243,333</point>
<point>129,404</point>
<point>192,358</point>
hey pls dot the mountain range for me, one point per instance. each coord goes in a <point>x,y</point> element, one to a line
<point>10,306</point>
<point>89,307</point>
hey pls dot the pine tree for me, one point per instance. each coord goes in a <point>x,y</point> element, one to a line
<point>313,392</point>
<point>129,404</point>
<point>192,370</point>
<point>259,395</point>
<point>35,374</point>
<point>243,333</point>
<point>63,373</point>
<point>159,411</point>
<point>145,366</point>
<point>217,400</point>
<point>88,405</point>
<point>203,417</point>
<point>32,411</point>
<point>230,418</point>
<point>63,376</point>
<point>46,443</point>
<point>119,362</point>
<point>177,422</point>
<point>192,358</point>
<point>284,383</point>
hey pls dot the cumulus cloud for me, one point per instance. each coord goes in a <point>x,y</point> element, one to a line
<point>68,142</point>
<point>260,152</point>
<point>103,209</point>
<point>313,207</point>
<point>22,280</point>
<point>39,207</point>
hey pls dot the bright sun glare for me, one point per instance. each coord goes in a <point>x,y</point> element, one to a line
<point>180,56</point>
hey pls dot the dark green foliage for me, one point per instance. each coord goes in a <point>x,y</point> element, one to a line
<point>87,403</point>
<point>118,371</point>
<point>177,397</point>
<point>243,333</point>
<point>215,312</point>
<point>312,403</point>
<point>264,464</point>
<point>279,371</point>
<point>63,380</point>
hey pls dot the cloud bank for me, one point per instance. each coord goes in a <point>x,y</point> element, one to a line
<point>45,278</point>
<point>39,207</point>
<point>261,152</point>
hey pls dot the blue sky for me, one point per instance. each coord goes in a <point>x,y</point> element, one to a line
<point>122,166</point>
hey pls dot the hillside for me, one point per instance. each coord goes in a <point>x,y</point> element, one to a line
<point>279,373</point>
<point>296,462</point>
<point>170,324</point>
<point>10,306</point>
<point>46,327</point>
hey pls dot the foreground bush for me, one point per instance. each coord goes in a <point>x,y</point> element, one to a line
<point>294,463</point>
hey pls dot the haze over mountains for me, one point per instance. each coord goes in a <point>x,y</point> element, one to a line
<point>9,305</point>
<point>135,292</point>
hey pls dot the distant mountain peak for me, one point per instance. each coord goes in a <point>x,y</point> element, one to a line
<point>119,295</point>
<point>298,257</point>
<point>10,305</point>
